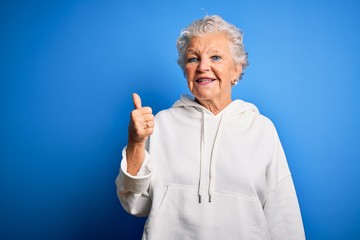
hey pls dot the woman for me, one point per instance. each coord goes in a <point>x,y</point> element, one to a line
<point>209,167</point>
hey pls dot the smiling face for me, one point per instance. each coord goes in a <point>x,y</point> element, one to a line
<point>210,70</point>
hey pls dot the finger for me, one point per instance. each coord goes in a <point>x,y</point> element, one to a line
<point>149,124</point>
<point>142,132</point>
<point>148,117</point>
<point>136,100</point>
<point>138,120</point>
<point>145,110</point>
<point>148,131</point>
<point>140,115</point>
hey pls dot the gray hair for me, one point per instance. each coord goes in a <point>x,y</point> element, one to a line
<point>211,24</point>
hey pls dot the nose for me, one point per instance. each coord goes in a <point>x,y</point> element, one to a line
<point>204,65</point>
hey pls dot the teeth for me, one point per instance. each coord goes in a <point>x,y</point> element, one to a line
<point>204,80</point>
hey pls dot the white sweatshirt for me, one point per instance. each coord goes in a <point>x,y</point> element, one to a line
<point>208,176</point>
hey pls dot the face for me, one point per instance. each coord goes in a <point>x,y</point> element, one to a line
<point>210,69</point>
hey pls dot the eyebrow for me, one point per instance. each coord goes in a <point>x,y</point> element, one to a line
<point>211,51</point>
<point>191,51</point>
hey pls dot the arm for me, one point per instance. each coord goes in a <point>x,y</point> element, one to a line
<point>281,207</point>
<point>141,126</point>
<point>134,177</point>
<point>132,190</point>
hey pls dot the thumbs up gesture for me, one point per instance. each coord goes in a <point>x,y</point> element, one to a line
<point>141,124</point>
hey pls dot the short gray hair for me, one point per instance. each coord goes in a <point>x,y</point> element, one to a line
<point>211,24</point>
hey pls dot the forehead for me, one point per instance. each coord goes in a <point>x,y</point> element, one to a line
<point>209,42</point>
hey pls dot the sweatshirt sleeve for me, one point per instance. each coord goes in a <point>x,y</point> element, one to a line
<point>281,206</point>
<point>133,191</point>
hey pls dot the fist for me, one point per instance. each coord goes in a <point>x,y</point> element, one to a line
<point>141,124</point>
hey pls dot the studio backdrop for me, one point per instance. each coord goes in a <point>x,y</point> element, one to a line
<point>67,72</point>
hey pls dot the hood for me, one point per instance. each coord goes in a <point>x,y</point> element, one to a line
<point>237,110</point>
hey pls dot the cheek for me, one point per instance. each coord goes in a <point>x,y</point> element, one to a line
<point>231,73</point>
<point>188,71</point>
<point>188,75</point>
<point>190,84</point>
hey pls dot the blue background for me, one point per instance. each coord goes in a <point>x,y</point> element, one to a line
<point>67,72</point>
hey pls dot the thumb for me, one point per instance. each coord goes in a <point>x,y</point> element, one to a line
<point>136,100</point>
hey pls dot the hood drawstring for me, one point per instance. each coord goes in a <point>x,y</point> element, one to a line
<point>202,146</point>
<point>213,158</point>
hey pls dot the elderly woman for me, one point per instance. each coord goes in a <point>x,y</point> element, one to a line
<point>209,167</point>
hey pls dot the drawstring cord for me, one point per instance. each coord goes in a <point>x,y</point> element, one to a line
<point>214,152</point>
<point>202,147</point>
<point>213,158</point>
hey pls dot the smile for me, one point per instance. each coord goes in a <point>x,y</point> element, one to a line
<point>204,80</point>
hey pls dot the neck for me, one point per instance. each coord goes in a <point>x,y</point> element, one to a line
<point>214,107</point>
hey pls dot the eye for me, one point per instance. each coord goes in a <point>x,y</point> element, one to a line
<point>192,59</point>
<point>216,58</point>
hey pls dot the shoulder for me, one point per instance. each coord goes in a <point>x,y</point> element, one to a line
<point>180,112</point>
<point>267,125</point>
<point>168,114</point>
<point>266,120</point>
<point>165,113</point>
<point>259,119</point>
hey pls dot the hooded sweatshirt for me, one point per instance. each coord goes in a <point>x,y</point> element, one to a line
<point>207,176</point>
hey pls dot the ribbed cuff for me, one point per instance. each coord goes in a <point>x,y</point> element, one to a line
<point>141,181</point>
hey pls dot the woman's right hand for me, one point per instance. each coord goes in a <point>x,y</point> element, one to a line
<point>141,126</point>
